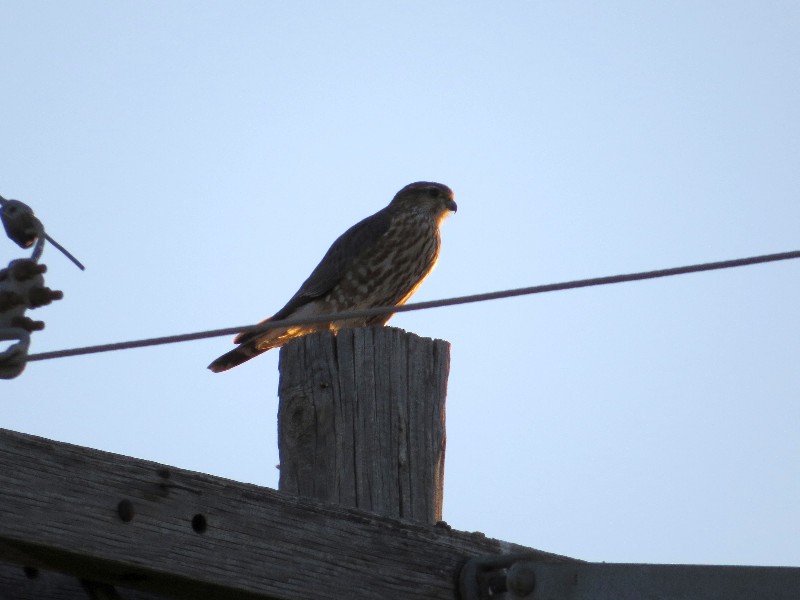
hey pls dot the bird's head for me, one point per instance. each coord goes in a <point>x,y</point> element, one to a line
<point>432,199</point>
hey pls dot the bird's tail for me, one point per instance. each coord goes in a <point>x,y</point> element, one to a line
<point>253,343</point>
<point>237,356</point>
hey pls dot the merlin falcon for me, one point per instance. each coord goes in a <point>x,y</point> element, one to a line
<point>380,261</point>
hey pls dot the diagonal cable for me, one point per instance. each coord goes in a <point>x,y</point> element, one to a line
<point>367,312</point>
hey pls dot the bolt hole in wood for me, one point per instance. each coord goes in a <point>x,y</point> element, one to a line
<point>31,572</point>
<point>199,523</point>
<point>125,510</point>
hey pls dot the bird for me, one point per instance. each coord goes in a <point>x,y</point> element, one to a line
<point>379,261</point>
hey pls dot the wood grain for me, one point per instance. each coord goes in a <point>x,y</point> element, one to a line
<point>59,511</point>
<point>361,420</point>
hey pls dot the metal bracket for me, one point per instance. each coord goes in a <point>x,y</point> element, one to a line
<point>21,287</point>
<point>521,576</point>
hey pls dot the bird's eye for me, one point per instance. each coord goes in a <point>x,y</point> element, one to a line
<point>434,192</point>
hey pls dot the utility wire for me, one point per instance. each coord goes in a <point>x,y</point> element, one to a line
<point>368,312</point>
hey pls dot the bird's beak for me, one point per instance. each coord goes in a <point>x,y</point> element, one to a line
<point>451,205</point>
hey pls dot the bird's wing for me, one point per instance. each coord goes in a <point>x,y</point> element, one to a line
<point>337,260</point>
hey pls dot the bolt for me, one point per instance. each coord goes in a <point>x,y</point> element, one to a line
<point>521,579</point>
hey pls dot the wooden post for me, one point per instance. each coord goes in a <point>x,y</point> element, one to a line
<point>361,420</point>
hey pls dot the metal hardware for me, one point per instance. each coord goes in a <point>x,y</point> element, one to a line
<point>14,358</point>
<point>21,287</point>
<point>23,228</point>
<point>520,576</point>
<point>487,576</point>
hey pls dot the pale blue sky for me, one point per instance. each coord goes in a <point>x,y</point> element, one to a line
<point>200,157</point>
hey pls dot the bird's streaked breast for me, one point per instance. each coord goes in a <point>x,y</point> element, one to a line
<point>389,272</point>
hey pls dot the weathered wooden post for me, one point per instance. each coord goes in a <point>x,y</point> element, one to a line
<point>361,420</point>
